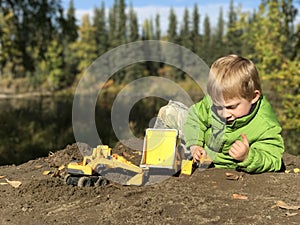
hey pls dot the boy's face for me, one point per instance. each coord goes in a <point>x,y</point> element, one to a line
<point>236,107</point>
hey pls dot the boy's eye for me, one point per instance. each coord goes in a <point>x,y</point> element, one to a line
<point>232,106</point>
<point>218,107</point>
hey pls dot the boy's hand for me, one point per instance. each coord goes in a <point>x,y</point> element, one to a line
<point>197,152</point>
<point>239,150</point>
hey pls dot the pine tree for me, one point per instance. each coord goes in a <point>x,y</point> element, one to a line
<point>172,29</point>
<point>157,27</point>
<point>71,27</point>
<point>175,55</point>
<point>185,33</point>
<point>196,47</point>
<point>136,70</point>
<point>66,38</point>
<point>234,33</point>
<point>217,38</point>
<point>101,34</point>
<point>157,49</point>
<point>206,46</point>
<point>133,25</point>
<point>147,32</point>
<point>112,33</point>
<point>122,36</point>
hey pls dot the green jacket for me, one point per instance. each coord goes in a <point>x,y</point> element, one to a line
<point>204,128</point>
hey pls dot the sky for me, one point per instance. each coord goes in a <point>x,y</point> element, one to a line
<point>147,9</point>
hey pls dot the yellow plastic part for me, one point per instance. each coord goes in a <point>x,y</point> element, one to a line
<point>186,167</point>
<point>159,148</point>
<point>84,169</point>
<point>102,151</point>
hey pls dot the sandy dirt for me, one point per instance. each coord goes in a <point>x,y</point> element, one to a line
<point>205,197</point>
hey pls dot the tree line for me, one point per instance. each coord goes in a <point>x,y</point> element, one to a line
<point>46,45</point>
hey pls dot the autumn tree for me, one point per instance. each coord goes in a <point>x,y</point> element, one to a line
<point>279,72</point>
<point>84,48</point>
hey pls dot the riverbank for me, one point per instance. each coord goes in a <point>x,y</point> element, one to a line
<point>40,196</point>
<point>21,88</point>
<point>25,95</point>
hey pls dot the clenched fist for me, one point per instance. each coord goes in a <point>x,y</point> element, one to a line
<point>239,150</point>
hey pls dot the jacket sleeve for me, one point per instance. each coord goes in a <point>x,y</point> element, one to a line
<point>265,154</point>
<point>197,123</point>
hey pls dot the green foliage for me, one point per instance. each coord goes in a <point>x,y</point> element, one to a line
<point>234,34</point>
<point>147,32</point>
<point>41,42</point>
<point>196,40</point>
<point>70,30</point>
<point>33,25</point>
<point>84,47</point>
<point>13,67</point>
<point>286,82</point>
<point>157,27</point>
<point>101,35</point>
<point>172,29</point>
<point>185,32</point>
<point>55,66</point>
<point>269,35</point>
<point>133,25</point>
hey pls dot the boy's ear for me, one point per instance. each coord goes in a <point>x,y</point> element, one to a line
<point>256,96</point>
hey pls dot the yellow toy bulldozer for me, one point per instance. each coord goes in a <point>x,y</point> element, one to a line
<point>89,171</point>
<point>162,155</point>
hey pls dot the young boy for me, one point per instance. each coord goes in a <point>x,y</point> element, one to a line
<point>234,124</point>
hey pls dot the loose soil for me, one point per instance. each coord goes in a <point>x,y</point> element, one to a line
<point>206,197</point>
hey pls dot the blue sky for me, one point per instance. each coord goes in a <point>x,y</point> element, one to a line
<point>87,4</point>
<point>148,9</point>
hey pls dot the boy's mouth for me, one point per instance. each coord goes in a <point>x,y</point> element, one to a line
<point>229,121</point>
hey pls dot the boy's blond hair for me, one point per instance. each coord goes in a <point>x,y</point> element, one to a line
<point>231,77</point>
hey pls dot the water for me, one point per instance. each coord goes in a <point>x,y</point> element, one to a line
<point>32,127</point>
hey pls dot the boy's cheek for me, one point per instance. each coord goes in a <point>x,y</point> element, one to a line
<point>221,113</point>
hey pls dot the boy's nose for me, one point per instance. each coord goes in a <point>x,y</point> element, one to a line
<point>227,114</point>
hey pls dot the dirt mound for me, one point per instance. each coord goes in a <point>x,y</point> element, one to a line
<point>212,196</point>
